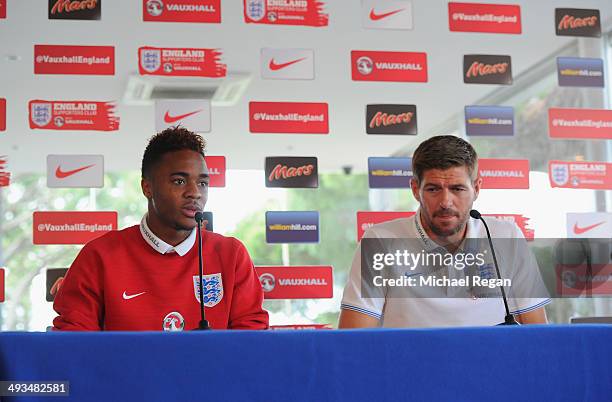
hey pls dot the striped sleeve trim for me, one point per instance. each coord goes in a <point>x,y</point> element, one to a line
<point>360,310</point>
<point>528,309</point>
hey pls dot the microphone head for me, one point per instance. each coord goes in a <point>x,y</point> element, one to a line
<point>199,216</point>
<point>475,214</point>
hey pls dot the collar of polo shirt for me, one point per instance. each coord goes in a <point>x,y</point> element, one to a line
<point>161,246</point>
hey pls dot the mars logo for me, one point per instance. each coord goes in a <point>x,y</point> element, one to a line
<point>577,22</point>
<point>292,172</point>
<point>155,7</point>
<point>74,9</point>
<point>212,288</point>
<point>173,321</point>
<point>267,282</point>
<point>365,65</point>
<point>391,119</point>
<point>487,69</point>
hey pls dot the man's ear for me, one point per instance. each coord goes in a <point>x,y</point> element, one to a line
<point>414,185</point>
<point>477,185</point>
<point>145,185</point>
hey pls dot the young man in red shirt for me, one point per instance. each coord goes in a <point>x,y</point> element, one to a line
<point>145,277</point>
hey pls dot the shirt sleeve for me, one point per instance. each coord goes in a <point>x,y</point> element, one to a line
<point>528,291</point>
<point>246,311</point>
<point>80,299</point>
<point>357,295</point>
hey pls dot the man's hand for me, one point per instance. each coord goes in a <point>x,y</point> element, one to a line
<point>56,286</point>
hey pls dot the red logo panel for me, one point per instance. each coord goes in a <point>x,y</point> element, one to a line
<point>285,12</point>
<point>504,173</point>
<point>580,123</point>
<point>2,9</point>
<point>2,114</point>
<point>61,59</point>
<point>182,11</point>
<point>519,220</point>
<point>183,62</point>
<point>73,115</point>
<point>288,117</point>
<point>305,282</point>
<point>5,176</point>
<point>388,66</point>
<point>216,170</point>
<point>488,18</point>
<point>367,219</point>
<point>69,227</point>
<point>589,175</point>
<point>576,280</point>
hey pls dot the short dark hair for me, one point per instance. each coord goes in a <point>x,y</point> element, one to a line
<point>170,140</point>
<point>444,152</point>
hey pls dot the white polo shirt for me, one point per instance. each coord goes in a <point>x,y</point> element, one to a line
<point>520,267</point>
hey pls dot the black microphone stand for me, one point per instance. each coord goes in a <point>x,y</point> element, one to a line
<point>203,325</point>
<point>509,319</point>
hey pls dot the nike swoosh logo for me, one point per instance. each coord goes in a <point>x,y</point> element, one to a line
<point>579,230</point>
<point>128,297</point>
<point>274,66</point>
<point>62,174</point>
<point>376,17</point>
<point>171,119</point>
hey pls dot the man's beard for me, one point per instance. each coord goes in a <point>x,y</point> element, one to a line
<point>438,231</point>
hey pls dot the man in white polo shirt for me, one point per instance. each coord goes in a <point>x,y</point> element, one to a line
<point>445,184</point>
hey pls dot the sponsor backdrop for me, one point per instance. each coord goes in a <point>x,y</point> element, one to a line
<point>397,62</point>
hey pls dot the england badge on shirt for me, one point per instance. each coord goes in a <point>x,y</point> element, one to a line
<point>212,288</point>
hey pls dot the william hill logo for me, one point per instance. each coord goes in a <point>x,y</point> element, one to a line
<point>391,119</point>
<point>487,69</point>
<point>577,22</point>
<point>292,172</point>
<point>74,9</point>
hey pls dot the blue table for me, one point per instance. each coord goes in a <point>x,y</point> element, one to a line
<point>530,363</point>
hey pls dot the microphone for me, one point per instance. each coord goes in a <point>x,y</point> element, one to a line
<point>509,319</point>
<point>199,218</point>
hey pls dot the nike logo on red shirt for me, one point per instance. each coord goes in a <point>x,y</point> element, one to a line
<point>274,66</point>
<point>579,230</point>
<point>128,297</point>
<point>61,174</point>
<point>171,119</point>
<point>376,17</point>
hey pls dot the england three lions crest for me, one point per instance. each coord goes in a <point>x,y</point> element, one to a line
<point>212,288</point>
<point>40,113</point>
<point>150,59</point>
<point>559,173</point>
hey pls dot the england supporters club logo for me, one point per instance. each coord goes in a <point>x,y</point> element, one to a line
<point>212,287</point>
